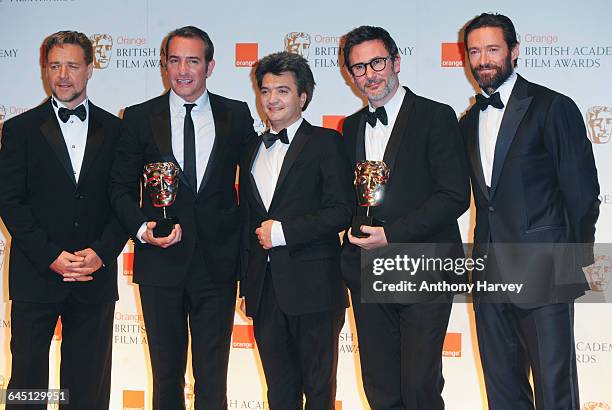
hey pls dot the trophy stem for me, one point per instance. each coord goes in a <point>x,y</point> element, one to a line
<point>368,211</point>
<point>164,208</point>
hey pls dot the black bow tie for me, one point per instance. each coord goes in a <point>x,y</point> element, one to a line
<point>269,139</point>
<point>379,114</point>
<point>65,113</point>
<point>494,101</point>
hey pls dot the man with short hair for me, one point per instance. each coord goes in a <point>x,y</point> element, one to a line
<point>534,182</point>
<point>65,239</point>
<point>297,194</point>
<point>400,345</point>
<point>188,278</point>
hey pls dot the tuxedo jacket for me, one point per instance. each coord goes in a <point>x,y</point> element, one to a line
<point>428,186</point>
<point>209,217</point>
<point>312,200</point>
<point>46,210</point>
<point>543,189</point>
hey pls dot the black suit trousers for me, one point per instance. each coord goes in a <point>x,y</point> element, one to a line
<point>513,341</point>
<point>299,353</point>
<point>86,350</point>
<point>204,307</point>
<point>400,347</point>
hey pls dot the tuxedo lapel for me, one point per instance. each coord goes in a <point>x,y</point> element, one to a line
<point>222,129</point>
<point>252,182</point>
<point>299,140</point>
<point>95,138</point>
<point>515,111</point>
<point>399,129</point>
<point>473,148</point>
<point>162,133</point>
<point>359,139</point>
<point>50,129</point>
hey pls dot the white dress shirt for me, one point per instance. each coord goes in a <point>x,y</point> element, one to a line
<point>377,137</point>
<point>204,126</point>
<point>75,135</point>
<point>488,127</point>
<point>266,169</point>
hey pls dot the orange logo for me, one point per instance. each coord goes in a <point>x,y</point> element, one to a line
<point>133,400</point>
<point>333,122</point>
<point>57,333</point>
<point>453,55</point>
<point>452,345</point>
<point>243,337</point>
<point>128,263</point>
<point>246,54</point>
<point>338,405</point>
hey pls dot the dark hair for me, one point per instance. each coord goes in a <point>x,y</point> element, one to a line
<point>366,33</point>
<point>192,32</point>
<point>493,20</point>
<point>69,37</point>
<point>283,62</point>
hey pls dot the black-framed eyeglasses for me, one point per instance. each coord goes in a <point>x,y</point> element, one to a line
<point>376,64</point>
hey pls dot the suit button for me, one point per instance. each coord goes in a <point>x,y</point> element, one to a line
<point>76,224</point>
<point>78,196</point>
<point>491,209</point>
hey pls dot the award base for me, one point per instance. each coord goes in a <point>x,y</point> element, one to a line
<point>359,220</point>
<point>164,227</point>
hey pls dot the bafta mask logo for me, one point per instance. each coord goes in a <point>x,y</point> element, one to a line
<point>598,274</point>
<point>298,43</point>
<point>595,405</point>
<point>160,179</point>
<point>370,180</point>
<point>102,47</point>
<point>599,122</point>
<point>2,115</point>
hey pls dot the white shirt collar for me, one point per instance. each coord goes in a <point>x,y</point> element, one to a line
<point>292,129</point>
<point>392,106</point>
<point>177,103</point>
<point>505,89</point>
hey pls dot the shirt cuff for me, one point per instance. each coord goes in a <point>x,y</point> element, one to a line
<point>141,231</point>
<point>278,237</point>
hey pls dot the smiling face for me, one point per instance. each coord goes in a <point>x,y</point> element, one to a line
<point>280,99</point>
<point>67,74</point>
<point>187,69</point>
<point>490,58</point>
<point>377,86</point>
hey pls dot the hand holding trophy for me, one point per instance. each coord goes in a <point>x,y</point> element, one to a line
<point>161,182</point>
<point>370,181</point>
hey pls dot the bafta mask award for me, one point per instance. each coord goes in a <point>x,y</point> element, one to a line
<point>371,177</point>
<point>161,182</point>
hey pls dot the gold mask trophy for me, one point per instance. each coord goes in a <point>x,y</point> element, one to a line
<point>161,182</point>
<point>371,178</point>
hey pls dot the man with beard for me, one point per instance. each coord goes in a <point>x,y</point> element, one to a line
<point>534,181</point>
<point>400,345</point>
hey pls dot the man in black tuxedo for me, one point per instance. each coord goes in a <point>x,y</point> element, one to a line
<point>297,192</point>
<point>189,275</point>
<point>400,345</point>
<point>534,181</point>
<point>56,159</point>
